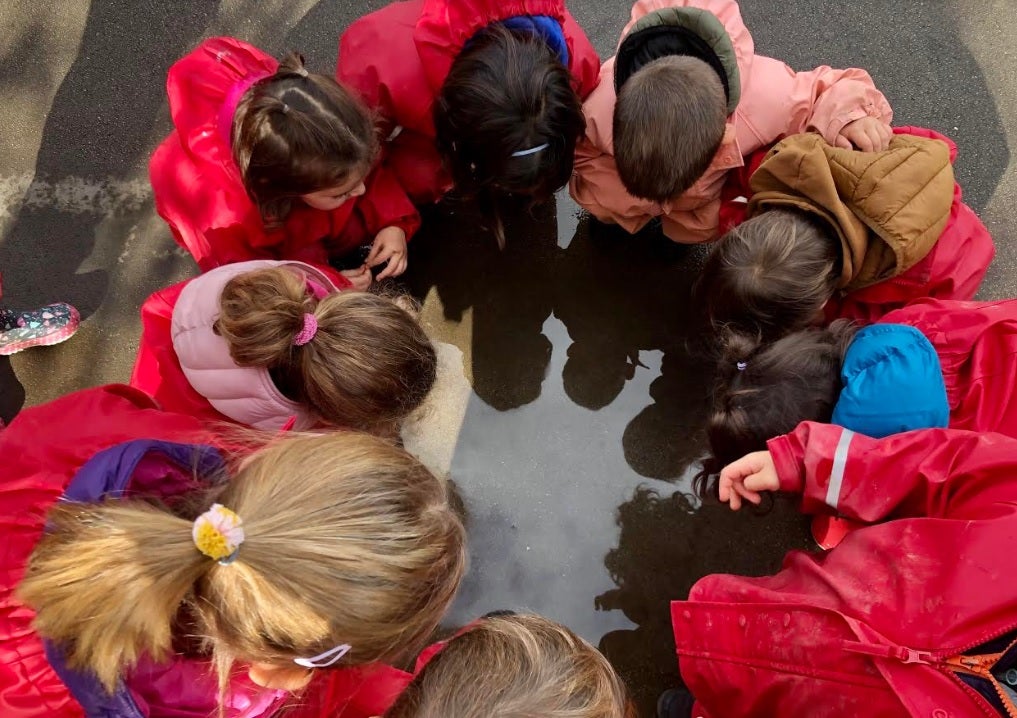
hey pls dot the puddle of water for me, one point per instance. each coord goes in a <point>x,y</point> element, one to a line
<point>580,435</point>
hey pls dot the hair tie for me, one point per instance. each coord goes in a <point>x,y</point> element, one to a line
<point>302,71</point>
<point>741,366</point>
<point>326,659</point>
<point>309,330</point>
<point>532,150</point>
<point>218,533</point>
<point>286,109</point>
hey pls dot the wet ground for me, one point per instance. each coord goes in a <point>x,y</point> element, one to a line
<point>571,398</point>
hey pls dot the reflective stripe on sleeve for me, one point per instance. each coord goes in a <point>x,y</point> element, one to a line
<point>837,473</point>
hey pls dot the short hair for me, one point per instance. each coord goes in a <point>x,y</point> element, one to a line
<point>298,132</point>
<point>770,275</point>
<point>669,120</point>
<point>531,666</point>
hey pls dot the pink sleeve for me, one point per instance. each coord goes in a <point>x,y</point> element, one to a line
<point>777,101</point>
<point>931,472</point>
<point>597,188</point>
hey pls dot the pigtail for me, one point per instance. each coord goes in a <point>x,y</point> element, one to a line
<point>107,581</point>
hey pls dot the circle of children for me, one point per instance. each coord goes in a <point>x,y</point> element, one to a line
<point>157,564</point>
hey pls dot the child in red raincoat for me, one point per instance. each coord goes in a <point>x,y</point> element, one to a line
<point>480,93</point>
<point>912,616</point>
<point>132,571</point>
<point>269,161</point>
<point>789,265</point>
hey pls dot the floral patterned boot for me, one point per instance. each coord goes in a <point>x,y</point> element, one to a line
<point>52,324</point>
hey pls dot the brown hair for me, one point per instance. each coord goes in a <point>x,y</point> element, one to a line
<point>669,120</point>
<point>772,274</point>
<point>515,665</point>
<point>348,540</point>
<point>763,391</point>
<point>298,132</point>
<point>368,365</point>
<point>507,92</point>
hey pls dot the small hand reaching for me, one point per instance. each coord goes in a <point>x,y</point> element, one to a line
<point>389,246</point>
<point>745,478</point>
<point>867,134</point>
<point>359,278</point>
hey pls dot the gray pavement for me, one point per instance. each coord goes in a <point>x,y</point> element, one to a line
<point>585,395</point>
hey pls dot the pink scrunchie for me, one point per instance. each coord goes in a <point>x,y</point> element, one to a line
<point>307,333</point>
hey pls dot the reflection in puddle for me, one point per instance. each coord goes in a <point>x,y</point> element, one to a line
<point>579,437</point>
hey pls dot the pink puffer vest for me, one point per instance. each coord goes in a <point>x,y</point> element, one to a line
<point>245,394</point>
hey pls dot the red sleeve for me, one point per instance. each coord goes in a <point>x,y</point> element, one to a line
<point>931,472</point>
<point>584,63</point>
<point>385,204</point>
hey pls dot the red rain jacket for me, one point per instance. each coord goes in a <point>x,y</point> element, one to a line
<point>866,629</point>
<point>40,452</point>
<point>976,343</point>
<point>954,268</point>
<point>197,185</point>
<point>398,57</point>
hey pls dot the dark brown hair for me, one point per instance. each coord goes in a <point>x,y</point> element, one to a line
<point>764,391</point>
<point>507,92</point>
<point>368,366</point>
<point>669,120</point>
<point>514,666</point>
<point>770,275</point>
<point>298,132</point>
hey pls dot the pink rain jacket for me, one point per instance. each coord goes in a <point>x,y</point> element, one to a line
<point>775,101</point>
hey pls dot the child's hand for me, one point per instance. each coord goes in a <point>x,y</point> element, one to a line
<point>390,246</point>
<point>745,478</point>
<point>867,134</point>
<point>360,278</point>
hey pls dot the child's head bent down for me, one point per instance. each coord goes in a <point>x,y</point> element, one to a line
<point>530,667</point>
<point>301,136</point>
<point>763,391</point>
<point>669,121</point>
<point>771,275</point>
<point>508,117</point>
<point>357,360</point>
<point>344,541</point>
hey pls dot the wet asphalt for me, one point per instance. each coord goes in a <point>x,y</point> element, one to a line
<point>570,409</point>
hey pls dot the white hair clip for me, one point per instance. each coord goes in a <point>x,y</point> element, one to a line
<point>326,659</point>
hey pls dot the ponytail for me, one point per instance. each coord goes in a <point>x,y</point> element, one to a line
<point>348,540</point>
<point>362,361</point>
<point>766,390</point>
<point>107,581</point>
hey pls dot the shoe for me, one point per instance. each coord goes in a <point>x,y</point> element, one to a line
<point>829,531</point>
<point>675,703</point>
<point>50,325</point>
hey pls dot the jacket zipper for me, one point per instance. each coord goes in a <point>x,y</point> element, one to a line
<point>943,661</point>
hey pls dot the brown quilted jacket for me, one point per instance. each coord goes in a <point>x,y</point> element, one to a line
<point>888,208</point>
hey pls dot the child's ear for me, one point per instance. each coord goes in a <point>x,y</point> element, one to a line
<point>287,678</point>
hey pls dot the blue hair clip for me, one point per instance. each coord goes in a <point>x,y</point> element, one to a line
<point>532,150</point>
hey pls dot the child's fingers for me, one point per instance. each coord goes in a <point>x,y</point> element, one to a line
<point>843,142</point>
<point>748,494</point>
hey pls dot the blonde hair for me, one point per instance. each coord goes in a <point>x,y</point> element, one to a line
<point>368,365</point>
<point>349,540</point>
<point>515,666</point>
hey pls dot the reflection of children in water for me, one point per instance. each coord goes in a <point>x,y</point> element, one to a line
<point>665,545</point>
<point>509,292</point>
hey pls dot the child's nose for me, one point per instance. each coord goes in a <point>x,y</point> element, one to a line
<point>360,189</point>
